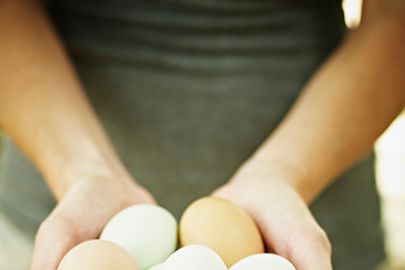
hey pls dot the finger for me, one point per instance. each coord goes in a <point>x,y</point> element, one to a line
<point>56,236</point>
<point>80,216</point>
<point>311,250</point>
<point>307,247</point>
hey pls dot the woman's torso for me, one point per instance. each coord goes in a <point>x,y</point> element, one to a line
<point>188,89</point>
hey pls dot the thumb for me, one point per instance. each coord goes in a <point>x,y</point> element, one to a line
<point>307,247</point>
<point>55,237</point>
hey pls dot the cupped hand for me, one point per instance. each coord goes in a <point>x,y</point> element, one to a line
<point>286,224</point>
<point>81,215</point>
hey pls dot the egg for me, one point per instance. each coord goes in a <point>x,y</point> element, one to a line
<point>263,262</point>
<point>222,226</point>
<point>194,257</point>
<point>98,255</point>
<point>148,232</point>
<point>156,267</point>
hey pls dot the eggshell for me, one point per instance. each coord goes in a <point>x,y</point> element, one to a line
<point>156,267</point>
<point>222,226</point>
<point>148,232</point>
<point>194,257</point>
<point>265,261</point>
<point>98,255</point>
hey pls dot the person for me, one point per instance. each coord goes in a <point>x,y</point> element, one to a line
<point>193,94</point>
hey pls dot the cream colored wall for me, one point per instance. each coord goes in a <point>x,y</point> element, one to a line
<point>352,10</point>
<point>390,169</point>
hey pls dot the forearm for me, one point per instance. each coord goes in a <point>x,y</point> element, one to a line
<point>347,104</point>
<point>42,105</point>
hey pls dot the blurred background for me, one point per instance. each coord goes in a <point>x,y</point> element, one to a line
<point>390,170</point>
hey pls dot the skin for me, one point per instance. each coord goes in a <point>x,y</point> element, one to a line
<point>345,106</point>
<point>45,111</point>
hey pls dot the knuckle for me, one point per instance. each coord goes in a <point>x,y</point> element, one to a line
<point>54,223</point>
<point>312,234</point>
<point>323,239</point>
<point>43,229</point>
<point>45,226</point>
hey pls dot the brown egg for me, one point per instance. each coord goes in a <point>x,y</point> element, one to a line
<point>221,226</point>
<point>98,255</point>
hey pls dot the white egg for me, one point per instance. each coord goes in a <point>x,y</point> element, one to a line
<point>148,232</point>
<point>264,261</point>
<point>194,257</point>
<point>156,267</point>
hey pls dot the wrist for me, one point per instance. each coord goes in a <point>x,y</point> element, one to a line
<point>89,170</point>
<point>261,169</point>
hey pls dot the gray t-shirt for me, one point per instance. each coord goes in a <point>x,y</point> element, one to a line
<point>187,91</point>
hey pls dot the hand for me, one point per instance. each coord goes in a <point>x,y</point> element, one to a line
<point>286,224</point>
<point>81,215</point>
